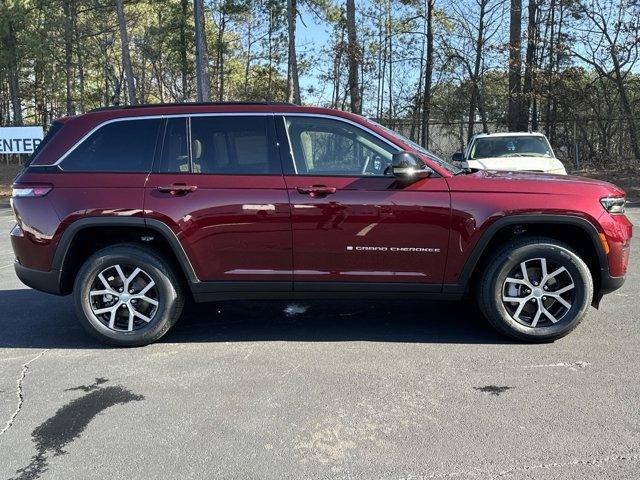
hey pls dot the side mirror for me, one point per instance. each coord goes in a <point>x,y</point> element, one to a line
<point>457,157</point>
<point>409,166</point>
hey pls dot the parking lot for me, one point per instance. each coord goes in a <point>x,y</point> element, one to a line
<point>345,389</point>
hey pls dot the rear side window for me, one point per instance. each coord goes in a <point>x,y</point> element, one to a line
<point>224,144</point>
<point>122,146</point>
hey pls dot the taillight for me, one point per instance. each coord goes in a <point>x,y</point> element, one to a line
<point>21,191</point>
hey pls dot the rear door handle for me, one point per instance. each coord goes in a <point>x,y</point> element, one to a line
<point>177,189</point>
<point>316,190</point>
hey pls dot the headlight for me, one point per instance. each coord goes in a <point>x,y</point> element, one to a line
<point>614,204</point>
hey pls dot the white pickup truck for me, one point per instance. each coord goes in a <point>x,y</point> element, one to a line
<point>514,151</point>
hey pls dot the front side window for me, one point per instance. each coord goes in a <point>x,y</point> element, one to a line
<point>219,144</point>
<point>121,146</point>
<point>323,146</point>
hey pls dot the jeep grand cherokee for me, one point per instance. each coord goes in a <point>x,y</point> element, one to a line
<point>133,209</point>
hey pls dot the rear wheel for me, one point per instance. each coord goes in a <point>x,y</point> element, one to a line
<point>535,289</point>
<point>128,296</point>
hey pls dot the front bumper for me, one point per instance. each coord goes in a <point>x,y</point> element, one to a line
<point>45,281</point>
<point>610,284</point>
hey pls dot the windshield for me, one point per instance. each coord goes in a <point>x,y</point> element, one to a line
<point>418,148</point>
<point>516,146</point>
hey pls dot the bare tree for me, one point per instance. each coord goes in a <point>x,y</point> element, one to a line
<point>293,82</point>
<point>354,58</point>
<point>126,58</point>
<point>607,37</point>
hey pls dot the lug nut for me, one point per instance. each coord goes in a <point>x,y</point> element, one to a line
<point>544,298</point>
<point>545,287</point>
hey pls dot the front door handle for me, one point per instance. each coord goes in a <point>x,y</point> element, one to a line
<point>177,189</point>
<point>317,190</point>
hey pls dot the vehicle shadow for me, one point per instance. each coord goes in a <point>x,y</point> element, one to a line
<point>31,319</point>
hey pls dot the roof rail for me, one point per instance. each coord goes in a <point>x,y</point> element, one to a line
<point>152,105</point>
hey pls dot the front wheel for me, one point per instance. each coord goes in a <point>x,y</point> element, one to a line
<point>127,295</point>
<point>535,289</point>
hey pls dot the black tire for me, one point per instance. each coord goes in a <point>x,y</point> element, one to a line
<point>168,288</point>
<point>491,286</point>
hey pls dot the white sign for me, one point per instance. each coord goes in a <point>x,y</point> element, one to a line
<point>19,139</point>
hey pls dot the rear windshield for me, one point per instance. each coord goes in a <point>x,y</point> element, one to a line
<point>53,129</point>
<point>523,146</point>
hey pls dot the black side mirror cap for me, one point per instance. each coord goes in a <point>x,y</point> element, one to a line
<point>409,166</point>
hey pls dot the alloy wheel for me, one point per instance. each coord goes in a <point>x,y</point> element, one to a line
<point>538,292</point>
<point>124,297</point>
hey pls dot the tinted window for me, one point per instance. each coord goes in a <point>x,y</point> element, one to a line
<point>175,153</point>
<point>232,145</point>
<point>123,146</point>
<point>322,146</point>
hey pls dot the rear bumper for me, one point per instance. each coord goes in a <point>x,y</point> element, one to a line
<point>44,281</point>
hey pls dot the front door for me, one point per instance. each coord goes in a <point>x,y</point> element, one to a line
<point>353,223</point>
<point>218,185</point>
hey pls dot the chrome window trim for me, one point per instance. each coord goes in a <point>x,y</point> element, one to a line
<point>147,117</point>
<point>345,120</point>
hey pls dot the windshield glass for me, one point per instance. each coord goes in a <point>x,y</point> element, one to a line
<point>418,148</point>
<point>522,146</point>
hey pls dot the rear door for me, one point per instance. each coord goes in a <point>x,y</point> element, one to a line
<point>218,184</point>
<point>354,225</point>
<point>105,173</point>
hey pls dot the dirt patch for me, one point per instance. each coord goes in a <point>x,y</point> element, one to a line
<point>627,179</point>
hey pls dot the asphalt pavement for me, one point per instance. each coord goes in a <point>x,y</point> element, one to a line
<point>314,390</point>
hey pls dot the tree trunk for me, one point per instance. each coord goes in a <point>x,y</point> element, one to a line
<point>220,54</point>
<point>550,71</point>
<point>80,60</point>
<point>184,63</point>
<point>126,59</point>
<point>354,59</point>
<point>428,76</point>
<point>626,106</point>
<point>293,85</point>
<point>530,64</point>
<point>475,78</point>
<point>9,42</point>
<point>202,55</point>
<point>68,55</point>
<point>515,65</point>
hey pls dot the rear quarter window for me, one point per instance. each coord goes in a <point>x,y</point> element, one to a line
<point>120,146</point>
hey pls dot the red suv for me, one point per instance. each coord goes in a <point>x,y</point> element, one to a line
<point>133,209</point>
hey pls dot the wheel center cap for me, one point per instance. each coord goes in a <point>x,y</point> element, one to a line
<point>537,292</point>
<point>125,297</point>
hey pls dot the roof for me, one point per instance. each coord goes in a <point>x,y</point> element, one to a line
<point>184,104</point>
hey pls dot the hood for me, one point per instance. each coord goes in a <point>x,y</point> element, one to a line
<point>516,163</point>
<point>492,180</point>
